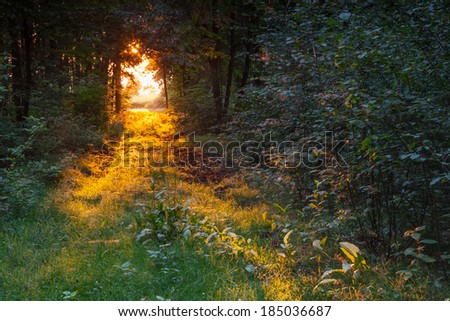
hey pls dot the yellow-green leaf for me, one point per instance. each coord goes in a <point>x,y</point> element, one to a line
<point>286,237</point>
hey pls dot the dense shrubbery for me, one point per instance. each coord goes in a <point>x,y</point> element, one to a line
<point>33,153</point>
<point>196,104</point>
<point>375,76</point>
<point>89,101</point>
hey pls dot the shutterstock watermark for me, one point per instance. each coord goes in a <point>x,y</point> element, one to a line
<point>185,150</point>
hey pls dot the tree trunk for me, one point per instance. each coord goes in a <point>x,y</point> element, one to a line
<point>3,82</point>
<point>230,69</point>
<point>16,70</point>
<point>214,64</point>
<point>215,81</point>
<point>249,45</point>
<point>248,61</point>
<point>28,75</point>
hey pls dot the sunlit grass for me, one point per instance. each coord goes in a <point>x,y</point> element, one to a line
<point>76,251</point>
<point>80,243</point>
<point>160,125</point>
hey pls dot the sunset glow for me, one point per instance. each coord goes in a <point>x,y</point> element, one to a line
<point>142,77</point>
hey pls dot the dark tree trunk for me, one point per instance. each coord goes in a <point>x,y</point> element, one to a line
<point>3,81</point>
<point>16,70</point>
<point>214,66</point>
<point>214,63</point>
<point>27,34</point>
<point>230,70</point>
<point>249,46</point>
<point>248,61</point>
<point>250,20</point>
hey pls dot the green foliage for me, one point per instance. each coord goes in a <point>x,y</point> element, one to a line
<point>417,252</point>
<point>157,221</point>
<point>23,187</point>
<point>197,106</point>
<point>23,176</point>
<point>161,221</point>
<point>89,101</point>
<point>68,133</point>
<point>46,255</point>
<point>4,66</point>
<point>374,76</point>
<point>349,271</point>
<point>31,132</point>
<point>352,252</point>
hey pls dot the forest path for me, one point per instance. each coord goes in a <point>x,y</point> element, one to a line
<point>81,243</point>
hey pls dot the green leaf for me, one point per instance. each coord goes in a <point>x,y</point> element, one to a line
<point>409,251</point>
<point>426,258</point>
<point>428,241</point>
<point>282,209</point>
<point>416,236</point>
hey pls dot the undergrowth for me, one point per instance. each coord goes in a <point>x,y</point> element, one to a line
<point>109,232</point>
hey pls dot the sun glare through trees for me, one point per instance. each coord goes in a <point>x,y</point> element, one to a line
<point>139,80</point>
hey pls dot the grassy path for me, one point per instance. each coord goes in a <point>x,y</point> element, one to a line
<point>81,242</point>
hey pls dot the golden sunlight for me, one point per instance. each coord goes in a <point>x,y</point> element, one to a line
<point>140,79</point>
<point>143,77</point>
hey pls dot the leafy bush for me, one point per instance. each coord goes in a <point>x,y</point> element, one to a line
<point>197,104</point>
<point>89,101</point>
<point>4,65</point>
<point>369,76</point>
